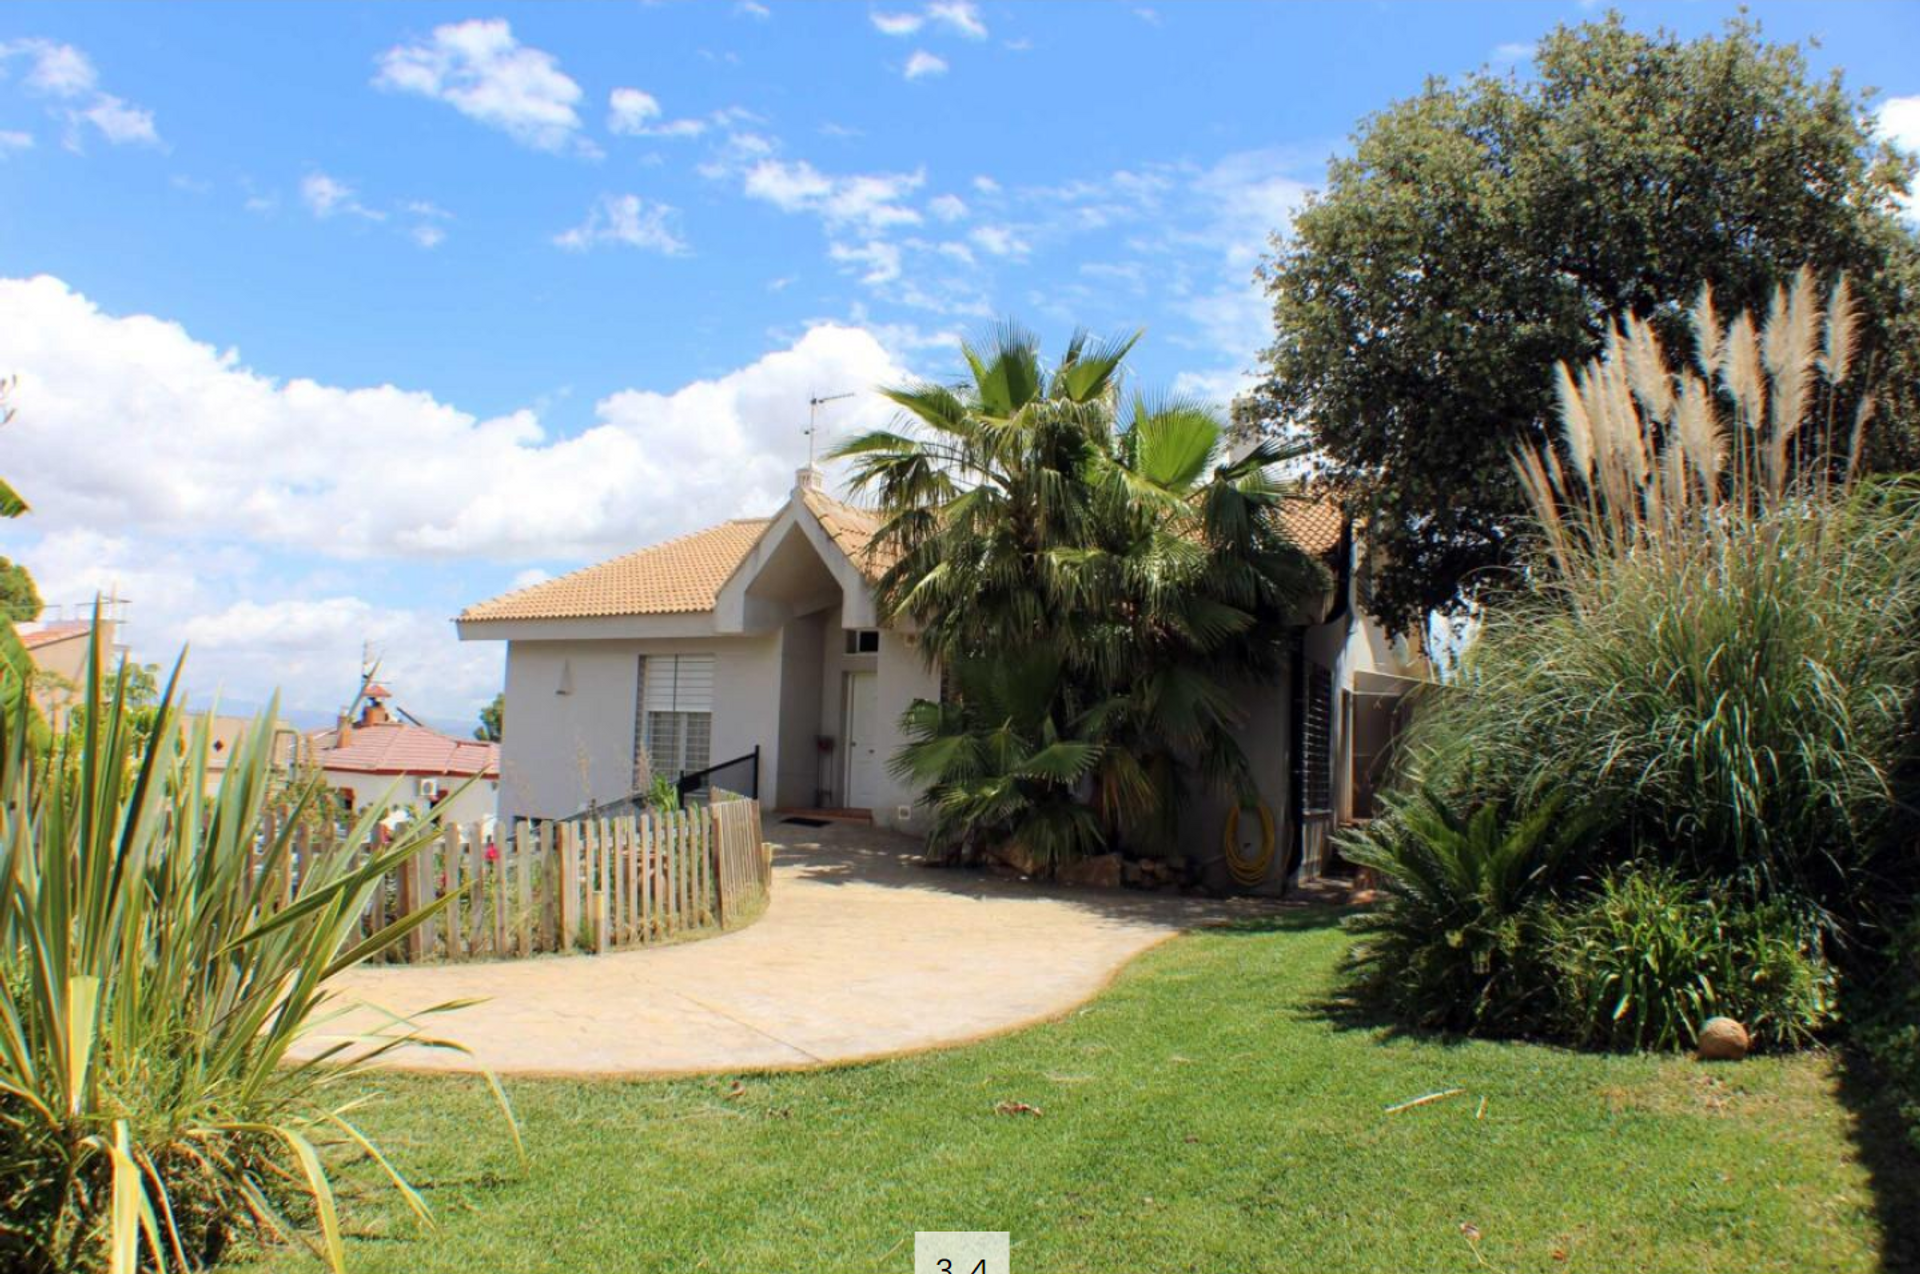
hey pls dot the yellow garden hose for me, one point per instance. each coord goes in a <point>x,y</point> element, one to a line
<point>1248,870</point>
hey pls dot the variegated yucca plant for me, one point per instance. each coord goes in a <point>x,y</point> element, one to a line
<point>170,1074</point>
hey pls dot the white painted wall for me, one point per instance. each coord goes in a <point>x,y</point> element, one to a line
<point>563,751</point>
<point>470,806</point>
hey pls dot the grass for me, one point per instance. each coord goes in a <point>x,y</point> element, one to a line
<point>1204,1114</point>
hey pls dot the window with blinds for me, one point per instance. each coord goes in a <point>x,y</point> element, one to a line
<point>1316,760</point>
<point>673,718</point>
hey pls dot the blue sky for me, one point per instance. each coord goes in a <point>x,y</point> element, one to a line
<point>329,320</point>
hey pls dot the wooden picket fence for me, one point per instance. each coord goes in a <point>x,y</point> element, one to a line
<point>599,884</point>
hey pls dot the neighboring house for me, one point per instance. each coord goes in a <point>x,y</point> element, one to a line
<point>226,733</point>
<point>60,650</point>
<point>379,759</point>
<point>754,646</point>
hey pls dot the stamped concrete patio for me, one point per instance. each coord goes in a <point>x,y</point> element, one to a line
<point>862,953</point>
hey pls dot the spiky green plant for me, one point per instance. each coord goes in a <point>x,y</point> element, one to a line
<point>169,1067</point>
<point>1455,944</point>
<point>995,767</point>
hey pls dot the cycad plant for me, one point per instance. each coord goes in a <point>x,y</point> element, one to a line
<point>167,1075</point>
<point>1037,507</point>
<point>1456,944</point>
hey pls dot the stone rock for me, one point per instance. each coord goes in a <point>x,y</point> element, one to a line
<point>1099,872</point>
<point>1723,1040</point>
<point>1018,857</point>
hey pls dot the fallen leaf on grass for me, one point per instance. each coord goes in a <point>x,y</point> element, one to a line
<point>1015,1108</point>
<point>1442,1095</point>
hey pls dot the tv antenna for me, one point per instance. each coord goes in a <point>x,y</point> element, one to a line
<point>813,419</point>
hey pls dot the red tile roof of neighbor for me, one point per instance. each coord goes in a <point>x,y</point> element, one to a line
<point>397,748</point>
<point>57,631</point>
<point>1315,524</point>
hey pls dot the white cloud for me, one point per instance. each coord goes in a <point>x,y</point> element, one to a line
<point>630,109</point>
<point>753,9</point>
<point>1514,52</point>
<point>986,185</point>
<point>999,240</point>
<point>220,501</point>
<point>119,122</point>
<point>56,70</point>
<point>327,196</point>
<point>130,423</point>
<point>632,112</point>
<point>428,236</point>
<point>1898,122</point>
<point>629,220</point>
<point>866,202</point>
<point>480,69</point>
<point>959,16</point>
<point>11,140</point>
<point>880,257</point>
<point>948,207</point>
<point>923,64</point>
<point>897,24</point>
<point>66,73</point>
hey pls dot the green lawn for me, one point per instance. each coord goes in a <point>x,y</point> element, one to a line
<point>1202,1115</point>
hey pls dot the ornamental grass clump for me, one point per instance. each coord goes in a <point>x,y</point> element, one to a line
<point>171,1069</point>
<point>1716,648</point>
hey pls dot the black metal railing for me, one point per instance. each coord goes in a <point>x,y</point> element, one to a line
<point>740,776</point>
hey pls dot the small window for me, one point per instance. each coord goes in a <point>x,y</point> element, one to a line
<point>863,641</point>
<point>430,788</point>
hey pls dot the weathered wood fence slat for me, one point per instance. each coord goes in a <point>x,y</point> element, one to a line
<point>592,884</point>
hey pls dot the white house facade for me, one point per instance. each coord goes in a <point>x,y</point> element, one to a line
<point>754,647</point>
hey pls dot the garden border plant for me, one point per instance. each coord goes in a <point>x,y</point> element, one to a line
<point>156,985</point>
<point>1713,650</point>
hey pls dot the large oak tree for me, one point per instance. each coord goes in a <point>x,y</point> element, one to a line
<point>1481,232</point>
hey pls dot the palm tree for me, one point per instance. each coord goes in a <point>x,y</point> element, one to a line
<point>1043,510</point>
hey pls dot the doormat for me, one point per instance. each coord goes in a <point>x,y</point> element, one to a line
<point>806,822</point>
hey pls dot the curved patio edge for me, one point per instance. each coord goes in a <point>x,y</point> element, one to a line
<point>862,955</point>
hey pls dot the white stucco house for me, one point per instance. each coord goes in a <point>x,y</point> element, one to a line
<point>755,645</point>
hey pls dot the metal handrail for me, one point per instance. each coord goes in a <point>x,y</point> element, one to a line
<point>690,783</point>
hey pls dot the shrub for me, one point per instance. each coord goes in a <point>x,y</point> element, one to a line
<point>1720,637</point>
<point>1457,944</point>
<point>1650,956</point>
<point>154,984</point>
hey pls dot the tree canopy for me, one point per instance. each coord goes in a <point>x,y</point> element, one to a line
<point>19,596</point>
<point>1482,232</point>
<point>492,720</point>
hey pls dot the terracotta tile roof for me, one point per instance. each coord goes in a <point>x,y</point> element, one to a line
<point>681,575</point>
<point>48,633</point>
<point>1316,525</point>
<point>397,748</point>
<point>852,528</point>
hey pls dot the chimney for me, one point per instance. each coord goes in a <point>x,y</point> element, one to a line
<point>343,732</point>
<point>809,479</point>
<point>375,713</point>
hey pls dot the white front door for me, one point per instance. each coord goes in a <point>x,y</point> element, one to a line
<point>865,766</point>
